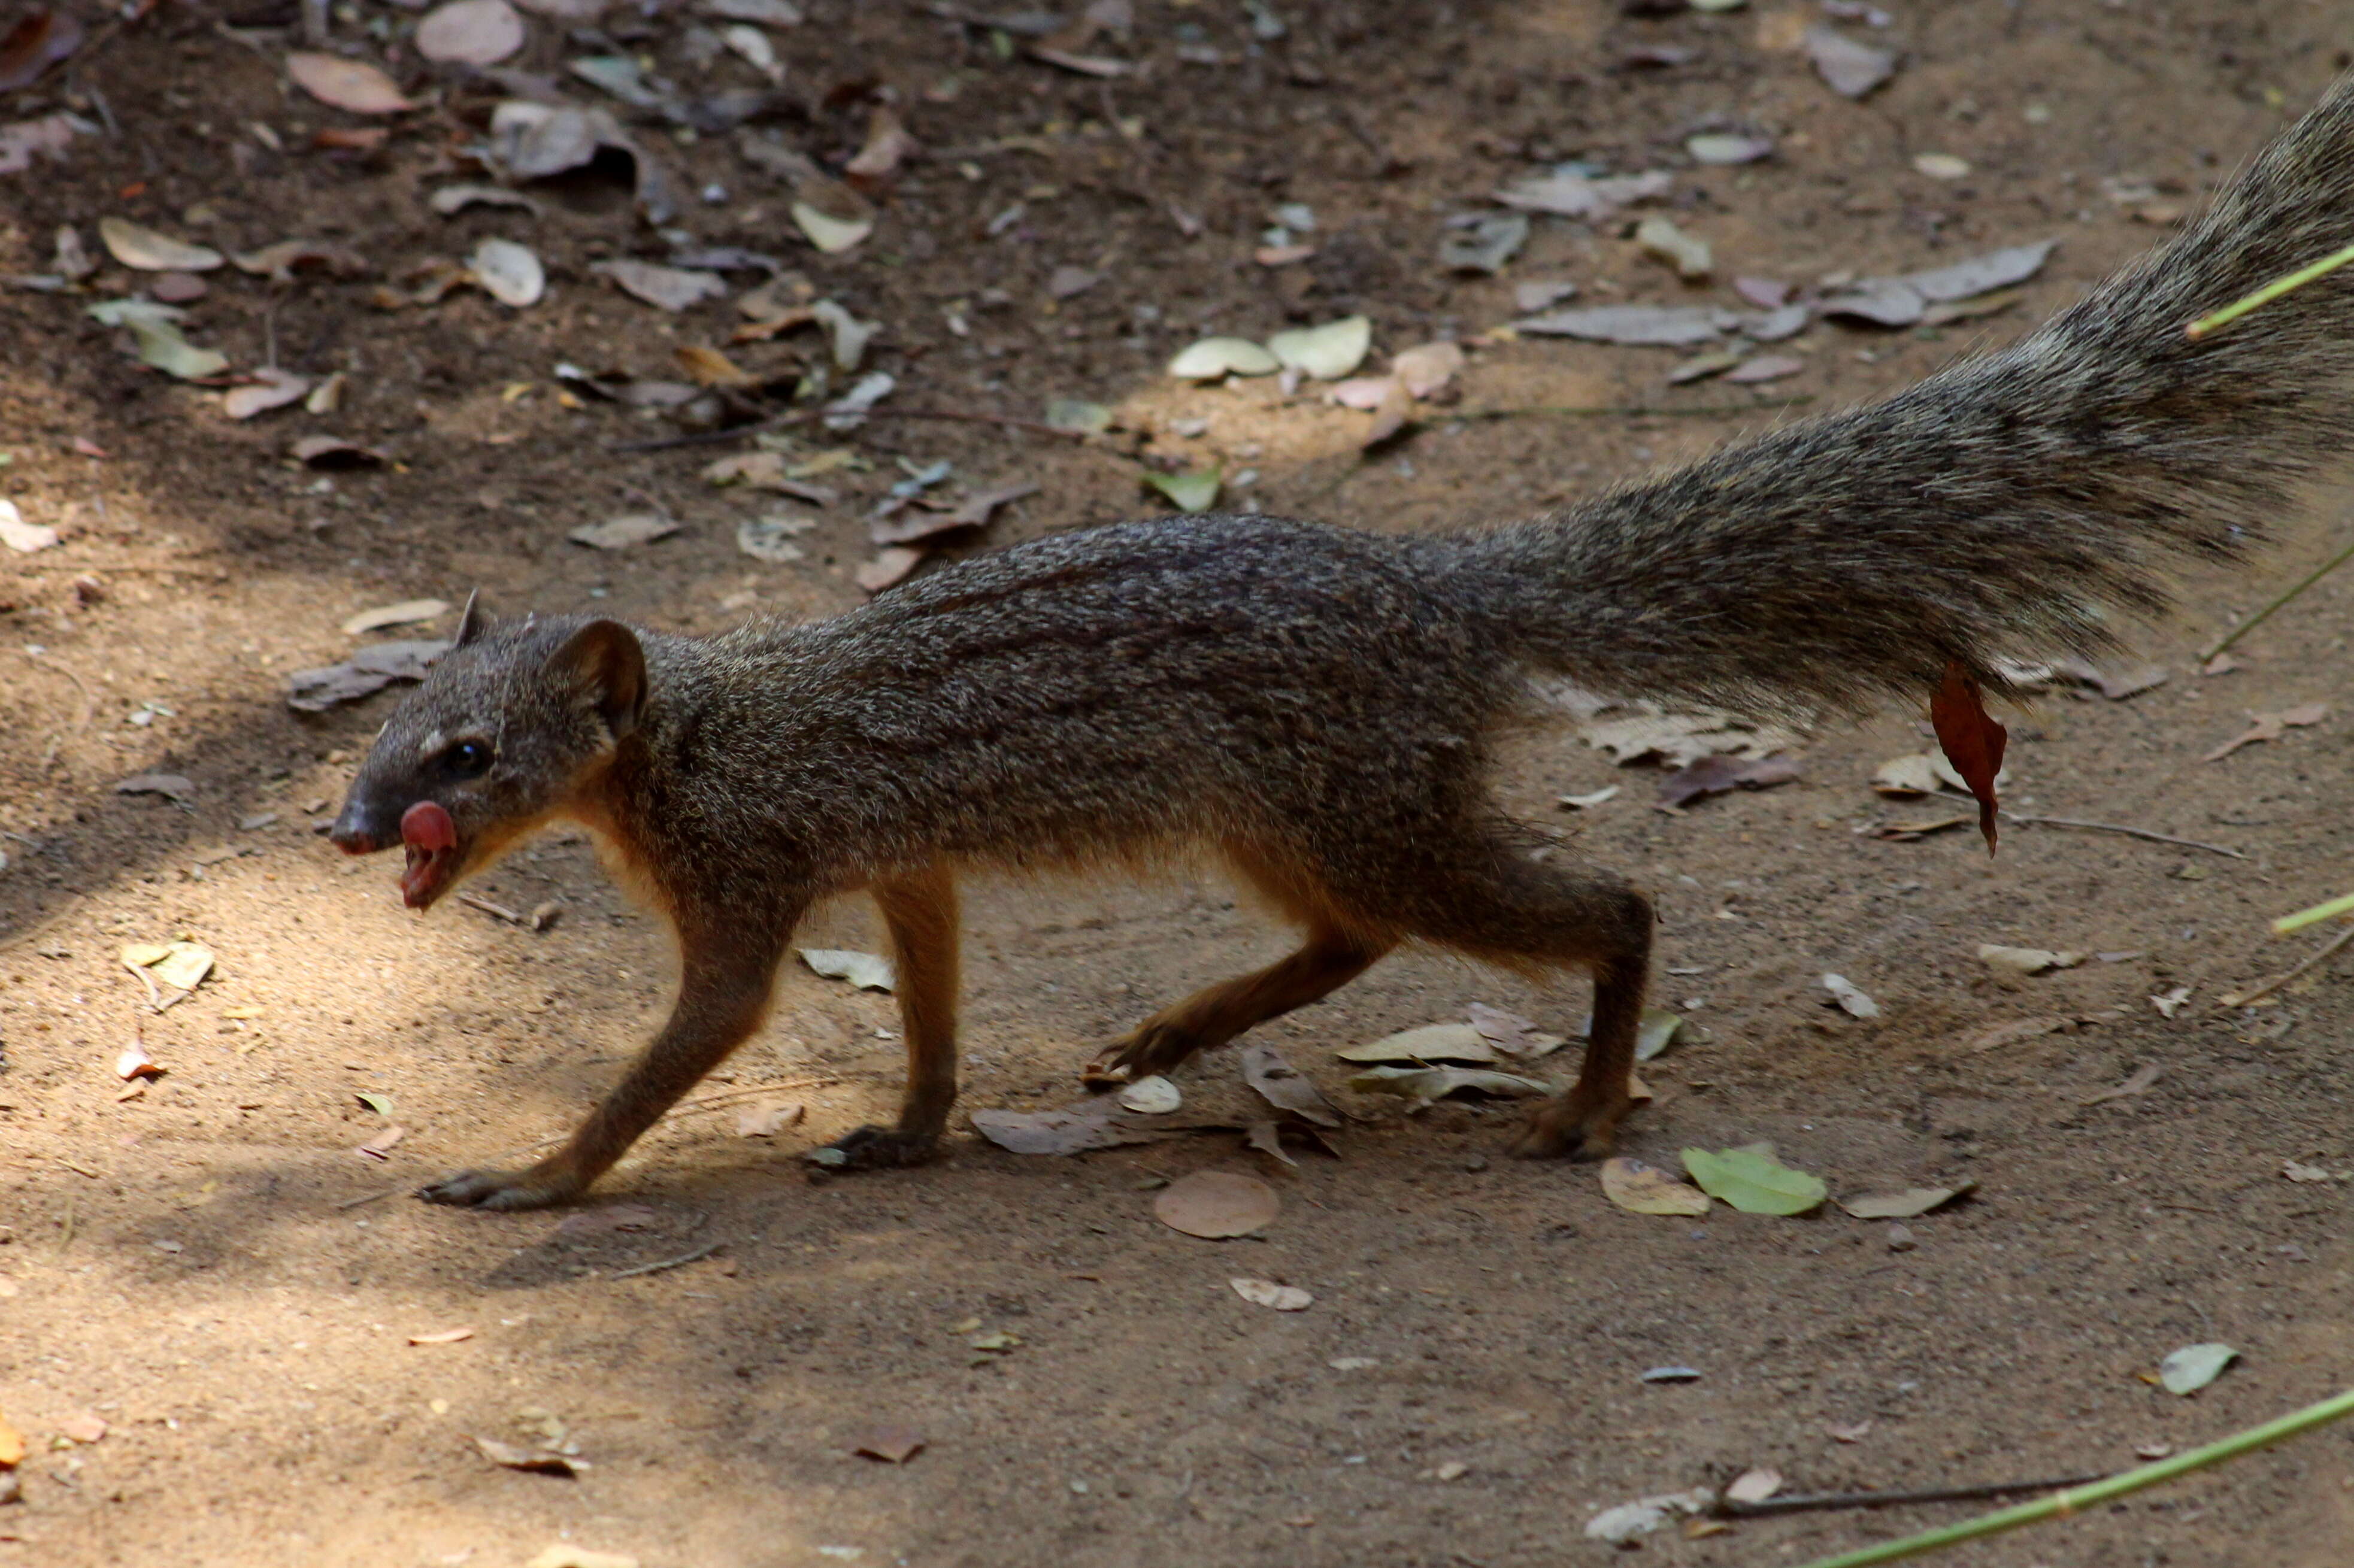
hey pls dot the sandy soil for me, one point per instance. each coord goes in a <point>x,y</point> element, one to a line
<point>212,1271</point>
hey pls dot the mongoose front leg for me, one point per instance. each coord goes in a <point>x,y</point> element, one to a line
<point>919,908</point>
<point>1211,1017</point>
<point>722,995</point>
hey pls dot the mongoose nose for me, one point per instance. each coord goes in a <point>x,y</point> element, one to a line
<point>354,834</point>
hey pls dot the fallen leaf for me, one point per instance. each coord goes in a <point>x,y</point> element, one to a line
<point>848,334</point>
<point>1587,803</point>
<point>545,1461</point>
<point>564,1555</point>
<point>2170,1002</point>
<point>1267,1293</point>
<point>1971,740</point>
<point>1765,367</point>
<point>1094,1123</point>
<point>1279,1084</point>
<point>1903,1205</point>
<point>1671,1374</point>
<point>1623,1525</point>
<point>369,670</point>
<point>443,1336</point>
<point>1196,490</point>
<point>51,134</point>
<point>1850,69</point>
<point>2152,1451</point>
<point>12,1445</point>
<point>1850,998</point>
<point>470,32</point>
<point>1981,274</point>
<point>1430,1043</point>
<point>1653,1033</point>
<point>147,250</point>
<point>1647,1189</point>
<point>1213,357</point>
<point>620,533</point>
<point>2193,1367</point>
<point>1687,254</point>
<point>1718,775</point>
<point>1153,1095</point>
<point>135,1064</point>
<point>849,411</point>
<point>174,787</point>
<point>867,971</point>
<point>2012,1032</point>
<point>381,1145</point>
<point>1077,415</point>
<point>2270,726</point>
<point>770,538</point>
<point>41,39</point>
<point>1530,297</point>
<point>1751,1180</point>
<point>2027,960</point>
<point>1941,165</point>
<point>406,613</point>
<point>1701,366</point>
<point>508,272</point>
<point>1426,1085</point>
<point>1676,739</point>
<point>889,568</point>
<point>1215,1204</point>
<point>1327,353</point>
<point>892,1445</point>
<point>1425,369</point>
<point>671,288</point>
<point>766,1120</point>
<point>769,13</point>
<point>1570,194</point>
<point>451,200</point>
<point>154,328</point>
<point>1849,1432</point>
<point>1754,1486</point>
<point>888,145</point>
<point>1906,775</point>
<point>354,85</point>
<point>2142,1079</point>
<point>2298,1170</point>
<point>20,536</point>
<point>1486,245</point>
<point>1883,301</point>
<point>81,1427</point>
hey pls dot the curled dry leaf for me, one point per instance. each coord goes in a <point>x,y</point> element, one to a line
<point>891,1443</point>
<point>867,971</point>
<point>20,536</point>
<point>545,1461</point>
<point>1215,1204</point>
<point>620,533</point>
<point>406,613</point>
<point>1327,353</point>
<point>443,1336</point>
<point>1754,1486</point>
<point>135,1064</point>
<point>508,272</point>
<point>1852,69</point>
<point>40,38</point>
<point>353,85</point>
<point>1095,1123</point>
<point>1281,1086</point>
<point>1718,775</point>
<point>1970,739</point>
<point>1647,1189</point>
<point>334,453</point>
<point>1430,1043</point>
<point>2026,960</point>
<point>282,261</point>
<point>888,145</point>
<point>367,671</point>
<point>671,288</point>
<point>154,329</point>
<point>2193,1367</point>
<point>175,788</point>
<point>765,1120</point>
<point>1213,357</point>
<point>1153,1095</point>
<point>147,250</point>
<point>1428,1085</point>
<point>1903,1205</point>
<point>1851,997</point>
<point>272,388</point>
<point>1570,194</point>
<point>1425,369</point>
<point>470,32</point>
<point>2270,726</point>
<point>1267,1293</point>
<point>1687,254</point>
<point>50,137</point>
<point>451,200</point>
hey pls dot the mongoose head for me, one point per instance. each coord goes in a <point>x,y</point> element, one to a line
<point>512,727</point>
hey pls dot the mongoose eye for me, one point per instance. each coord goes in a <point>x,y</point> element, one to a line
<point>468,759</point>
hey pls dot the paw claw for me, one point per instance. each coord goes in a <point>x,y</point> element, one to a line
<point>873,1148</point>
<point>499,1191</point>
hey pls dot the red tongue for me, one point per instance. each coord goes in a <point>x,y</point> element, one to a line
<point>429,834</point>
<point>426,826</point>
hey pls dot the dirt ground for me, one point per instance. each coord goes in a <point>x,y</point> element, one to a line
<point>211,1270</point>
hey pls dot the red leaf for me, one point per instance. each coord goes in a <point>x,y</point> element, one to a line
<point>34,44</point>
<point>1972,740</point>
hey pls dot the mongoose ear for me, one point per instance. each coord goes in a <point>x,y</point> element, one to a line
<point>473,621</point>
<point>604,660</point>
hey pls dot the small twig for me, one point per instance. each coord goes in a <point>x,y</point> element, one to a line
<point>371,1197</point>
<point>1802,1502</point>
<point>2269,292</point>
<point>2154,837</point>
<point>2074,1500</point>
<point>681,1261</point>
<point>2313,916</point>
<point>2319,572</point>
<point>89,702</point>
<point>477,901</point>
<point>2241,999</point>
<point>812,415</point>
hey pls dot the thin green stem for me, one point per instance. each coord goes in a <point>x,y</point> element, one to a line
<point>2083,1500</point>
<point>2269,292</point>
<point>2319,572</point>
<point>2313,916</point>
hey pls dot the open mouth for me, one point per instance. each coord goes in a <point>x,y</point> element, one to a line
<point>432,840</point>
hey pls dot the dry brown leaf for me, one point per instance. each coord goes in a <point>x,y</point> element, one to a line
<point>515,1458</point>
<point>83,1426</point>
<point>12,1445</point>
<point>470,32</point>
<point>1647,1189</point>
<point>354,85</point>
<point>766,1120</point>
<point>2012,1032</point>
<point>1214,1205</point>
<point>892,1443</point>
<point>38,41</point>
<point>2270,726</point>
<point>1279,1084</point>
<point>709,367</point>
<point>270,388</point>
<point>1971,739</point>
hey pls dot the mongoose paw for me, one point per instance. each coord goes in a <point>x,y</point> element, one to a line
<point>499,1190</point>
<point>1574,1125</point>
<point>1151,1049</point>
<point>874,1149</point>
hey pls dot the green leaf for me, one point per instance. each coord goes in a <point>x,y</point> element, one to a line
<point>160,343</point>
<point>1077,414</point>
<point>2193,1367</point>
<point>380,1104</point>
<point>1195,490</point>
<point>1752,1180</point>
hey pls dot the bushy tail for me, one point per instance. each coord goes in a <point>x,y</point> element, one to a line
<point>2003,509</point>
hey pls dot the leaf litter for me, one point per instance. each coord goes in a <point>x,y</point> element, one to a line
<point>1279,1084</point>
<point>1751,1180</point>
<point>1217,1204</point>
<point>1644,1189</point>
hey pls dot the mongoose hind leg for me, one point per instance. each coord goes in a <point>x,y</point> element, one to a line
<point>919,908</point>
<point>1493,901</point>
<point>1328,959</point>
